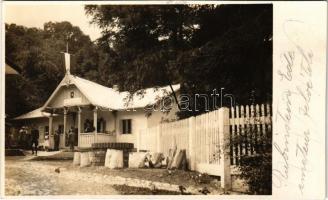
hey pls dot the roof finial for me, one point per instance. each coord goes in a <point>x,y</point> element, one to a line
<point>67,59</point>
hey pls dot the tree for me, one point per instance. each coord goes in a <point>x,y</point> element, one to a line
<point>138,38</point>
<point>202,47</point>
<point>38,53</point>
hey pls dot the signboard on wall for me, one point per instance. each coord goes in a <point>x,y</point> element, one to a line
<point>73,101</point>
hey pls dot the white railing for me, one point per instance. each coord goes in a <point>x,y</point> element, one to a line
<point>87,139</point>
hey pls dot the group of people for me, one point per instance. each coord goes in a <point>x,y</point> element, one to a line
<point>30,139</point>
<point>70,138</point>
<point>88,126</point>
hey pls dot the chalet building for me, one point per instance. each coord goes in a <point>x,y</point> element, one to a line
<point>99,114</point>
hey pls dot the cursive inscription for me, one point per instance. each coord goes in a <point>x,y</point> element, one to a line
<point>294,103</point>
<point>302,150</point>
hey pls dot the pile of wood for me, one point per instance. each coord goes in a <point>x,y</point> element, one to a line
<point>177,159</point>
<point>137,159</point>
<point>154,160</point>
<point>146,160</point>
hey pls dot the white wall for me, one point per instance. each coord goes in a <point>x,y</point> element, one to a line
<point>65,93</point>
<point>139,121</point>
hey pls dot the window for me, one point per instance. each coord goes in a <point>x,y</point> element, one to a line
<point>72,94</point>
<point>126,126</point>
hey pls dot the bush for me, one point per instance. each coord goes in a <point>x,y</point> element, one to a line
<point>256,169</point>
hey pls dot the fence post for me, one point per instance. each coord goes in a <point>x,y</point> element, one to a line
<point>158,138</point>
<point>224,136</point>
<point>191,135</point>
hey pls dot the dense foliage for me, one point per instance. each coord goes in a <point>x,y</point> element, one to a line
<point>258,173</point>
<point>256,164</point>
<point>201,47</point>
<point>38,53</point>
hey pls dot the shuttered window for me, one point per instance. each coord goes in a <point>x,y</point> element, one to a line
<point>126,126</point>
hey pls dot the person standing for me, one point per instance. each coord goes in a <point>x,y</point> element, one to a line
<point>35,140</point>
<point>22,133</point>
<point>71,138</point>
<point>56,138</point>
<point>27,138</point>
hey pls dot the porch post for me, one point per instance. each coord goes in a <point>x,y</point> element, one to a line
<point>95,122</point>
<point>51,137</point>
<point>65,126</point>
<point>79,125</point>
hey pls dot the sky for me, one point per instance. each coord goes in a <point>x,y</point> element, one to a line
<point>37,15</point>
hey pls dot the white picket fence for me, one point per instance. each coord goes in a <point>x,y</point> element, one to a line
<point>148,139</point>
<point>174,134</point>
<point>248,123</point>
<point>208,138</point>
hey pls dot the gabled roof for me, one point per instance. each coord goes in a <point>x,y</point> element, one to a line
<point>37,113</point>
<point>105,97</point>
<point>110,98</point>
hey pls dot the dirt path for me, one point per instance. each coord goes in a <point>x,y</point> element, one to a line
<point>27,177</point>
<point>34,178</point>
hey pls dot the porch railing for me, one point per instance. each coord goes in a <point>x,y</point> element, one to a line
<point>86,139</point>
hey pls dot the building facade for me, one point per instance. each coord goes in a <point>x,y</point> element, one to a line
<point>98,114</point>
